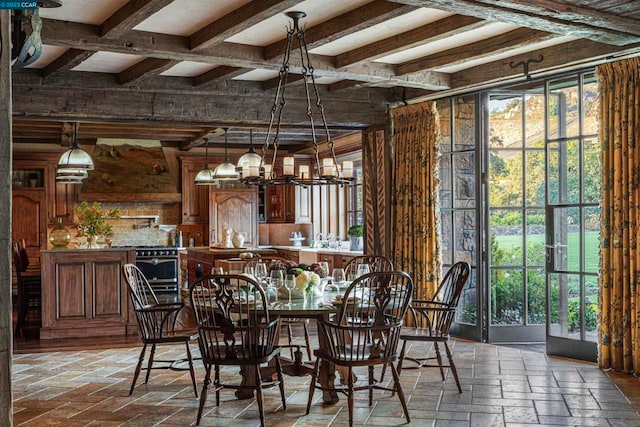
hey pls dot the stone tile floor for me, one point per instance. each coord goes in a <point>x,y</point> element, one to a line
<point>502,387</point>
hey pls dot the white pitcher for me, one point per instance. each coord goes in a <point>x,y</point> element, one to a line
<point>227,235</point>
<point>238,239</point>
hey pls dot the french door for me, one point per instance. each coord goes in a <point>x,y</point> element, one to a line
<point>515,215</point>
<point>519,193</point>
<point>572,217</point>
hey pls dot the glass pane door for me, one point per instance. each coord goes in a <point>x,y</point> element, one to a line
<point>573,217</point>
<point>516,217</point>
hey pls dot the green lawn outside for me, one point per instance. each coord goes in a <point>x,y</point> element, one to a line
<point>592,257</point>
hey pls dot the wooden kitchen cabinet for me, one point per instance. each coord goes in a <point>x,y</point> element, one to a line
<point>195,198</point>
<point>236,209</point>
<point>280,203</point>
<point>291,255</point>
<point>38,171</point>
<point>29,220</point>
<point>340,261</point>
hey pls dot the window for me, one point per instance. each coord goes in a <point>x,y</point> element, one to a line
<point>355,199</point>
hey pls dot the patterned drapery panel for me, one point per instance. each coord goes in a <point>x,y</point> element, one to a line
<point>618,303</point>
<point>375,188</point>
<point>414,229</point>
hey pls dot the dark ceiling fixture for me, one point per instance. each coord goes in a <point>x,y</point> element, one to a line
<point>325,173</point>
<point>26,44</point>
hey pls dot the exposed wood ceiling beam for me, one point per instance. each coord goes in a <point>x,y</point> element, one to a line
<point>130,15</point>
<point>144,69</point>
<point>502,13</point>
<point>180,86</point>
<point>223,72</point>
<point>69,34</point>
<point>213,110</point>
<point>491,46</point>
<point>564,11</point>
<point>575,54</point>
<point>201,139</point>
<point>431,32</point>
<point>69,59</point>
<point>340,26</point>
<point>344,84</point>
<point>273,83</point>
<point>237,21</point>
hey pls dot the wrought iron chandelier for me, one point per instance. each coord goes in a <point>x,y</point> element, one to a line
<point>327,172</point>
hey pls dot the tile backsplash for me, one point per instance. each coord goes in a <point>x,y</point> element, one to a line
<point>152,224</point>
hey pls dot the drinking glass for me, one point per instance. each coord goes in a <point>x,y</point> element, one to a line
<point>249,270</point>
<point>289,283</point>
<point>261,271</point>
<point>324,266</point>
<point>363,269</point>
<point>338,276</point>
<point>276,280</point>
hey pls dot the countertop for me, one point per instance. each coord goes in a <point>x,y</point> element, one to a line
<point>86,250</point>
<point>317,250</point>
<point>266,248</point>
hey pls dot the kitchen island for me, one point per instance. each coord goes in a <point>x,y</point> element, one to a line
<point>84,293</point>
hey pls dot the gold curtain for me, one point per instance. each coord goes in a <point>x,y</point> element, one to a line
<point>619,313</point>
<point>414,237</point>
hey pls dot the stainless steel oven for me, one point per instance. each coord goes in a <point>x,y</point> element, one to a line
<point>159,265</point>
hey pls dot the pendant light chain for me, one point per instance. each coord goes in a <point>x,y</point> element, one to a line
<point>327,173</point>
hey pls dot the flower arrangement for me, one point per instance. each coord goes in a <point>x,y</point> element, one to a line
<point>306,279</point>
<point>92,220</point>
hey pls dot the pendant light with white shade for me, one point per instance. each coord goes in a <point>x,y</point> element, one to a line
<point>74,164</point>
<point>226,171</point>
<point>249,161</point>
<point>205,176</point>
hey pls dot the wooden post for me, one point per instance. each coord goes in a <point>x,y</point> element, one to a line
<point>6,312</point>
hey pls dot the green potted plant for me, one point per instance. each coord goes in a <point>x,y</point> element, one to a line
<point>355,234</point>
<point>92,221</point>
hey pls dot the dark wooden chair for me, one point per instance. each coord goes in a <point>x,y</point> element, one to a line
<point>431,321</point>
<point>156,325</point>
<point>29,288</point>
<point>235,331</point>
<point>375,262</point>
<point>365,332</point>
<point>285,322</point>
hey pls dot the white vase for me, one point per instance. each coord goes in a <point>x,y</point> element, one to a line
<point>238,239</point>
<point>356,243</point>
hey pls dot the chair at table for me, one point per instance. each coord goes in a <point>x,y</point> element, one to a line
<point>235,331</point>
<point>29,289</point>
<point>156,325</point>
<point>432,320</point>
<point>287,322</point>
<point>375,262</point>
<point>365,332</point>
<point>24,256</point>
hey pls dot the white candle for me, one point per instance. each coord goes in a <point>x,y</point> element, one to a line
<point>347,169</point>
<point>327,167</point>
<point>304,171</point>
<point>267,171</point>
<point>287,169</point>
<point>253,171</point>
<point>245,170</point>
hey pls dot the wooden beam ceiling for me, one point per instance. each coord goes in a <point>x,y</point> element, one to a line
<point>500,12</point>
<point>163,46</point>
<point>237,21</point>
